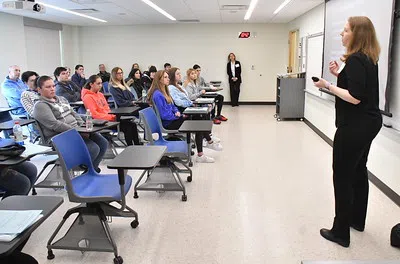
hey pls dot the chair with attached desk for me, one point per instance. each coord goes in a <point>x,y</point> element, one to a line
<point>177,152</point>
<point>171,133</point>
<point>95,192</point>
<point>54,179</point>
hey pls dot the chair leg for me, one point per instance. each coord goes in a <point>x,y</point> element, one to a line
<point>135,195</point>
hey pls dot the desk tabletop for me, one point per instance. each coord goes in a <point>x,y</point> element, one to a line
<point>196,111</point>
<point>204,100</point>
<point>77,103</point>
<point>196,126</point>
<point>7,109</point>
<point>138,157</point>
<point>10,124</point>
<point>106,95</point>
<point>82,129</point>
<point>124,110</point>
<point>48,204</point>
<point>30,151</point>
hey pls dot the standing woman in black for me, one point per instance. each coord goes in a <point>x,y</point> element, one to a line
<point>358,121</point>
<point>234,71</point>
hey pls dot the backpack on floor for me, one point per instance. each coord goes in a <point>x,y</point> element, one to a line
<point>395,236</point>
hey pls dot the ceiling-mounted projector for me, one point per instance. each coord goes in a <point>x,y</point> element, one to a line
<point>28,5</point>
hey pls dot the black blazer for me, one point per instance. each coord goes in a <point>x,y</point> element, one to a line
<point>238,71</point>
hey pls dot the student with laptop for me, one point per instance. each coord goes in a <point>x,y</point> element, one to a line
<point>55,115</point>
<point>95,101</point>
<point>171,117</point>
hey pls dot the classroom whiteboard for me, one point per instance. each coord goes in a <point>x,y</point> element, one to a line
<point>314,59</point>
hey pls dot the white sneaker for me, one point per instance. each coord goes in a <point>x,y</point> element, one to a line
<point>204,142</point>
<point>215,146</point>
<point>204,159</point>
<point>215,139</point>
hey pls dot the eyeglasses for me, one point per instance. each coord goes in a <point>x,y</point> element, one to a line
<point>119,72</point>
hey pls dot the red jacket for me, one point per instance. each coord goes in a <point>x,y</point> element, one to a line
<point>97,104</point>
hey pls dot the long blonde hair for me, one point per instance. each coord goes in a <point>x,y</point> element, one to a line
<point>188,80</point>
<point>364,38</point>
<point>114,82</point>
<point>158,84</point>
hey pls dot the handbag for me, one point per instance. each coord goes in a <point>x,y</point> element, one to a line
<point>10,151</point>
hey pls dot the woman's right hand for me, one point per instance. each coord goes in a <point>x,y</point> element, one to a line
<point>129,82</point>
<point>333,68</point>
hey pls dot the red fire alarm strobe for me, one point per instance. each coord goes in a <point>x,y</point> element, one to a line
<point>244,35</point>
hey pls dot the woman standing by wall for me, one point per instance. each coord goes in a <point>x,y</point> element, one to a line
<point>234,71</point>
<point>358,121</point>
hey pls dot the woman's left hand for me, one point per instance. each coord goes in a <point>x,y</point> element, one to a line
<point>177,114</point>
<point>322,83</point>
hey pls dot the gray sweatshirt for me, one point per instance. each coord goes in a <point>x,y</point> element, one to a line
<point>192,91</point>
<point>55,117</point>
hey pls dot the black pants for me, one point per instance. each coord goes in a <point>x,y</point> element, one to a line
<point>235,91</point>
<point>350,176</point>
<point>130,132</point>
<point>174,125</point>
<point>219,102</point>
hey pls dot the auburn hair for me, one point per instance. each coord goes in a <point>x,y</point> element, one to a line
<point>364,38</point>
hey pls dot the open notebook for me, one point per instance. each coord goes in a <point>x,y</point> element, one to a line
<point>14,222</point>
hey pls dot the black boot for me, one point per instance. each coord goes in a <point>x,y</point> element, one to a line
<point>329,235</point>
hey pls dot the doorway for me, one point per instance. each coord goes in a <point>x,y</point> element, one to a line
<point>293,40</point>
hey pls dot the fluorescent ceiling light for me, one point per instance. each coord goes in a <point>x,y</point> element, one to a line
<point>252,5</point>
<point>282,6</point>
<point>159,9</point>
<point>71,12</point>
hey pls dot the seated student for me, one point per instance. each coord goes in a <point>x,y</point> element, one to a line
<point>104,75</point>
<point>55,116</point>
<point>148,76</point>
<point>167,66</point>
<point>134,81</point>
<point>65,88</point>
<point>170,116</point>
<point>123,97</point>
<point>193,90</point>
<point>12,87</point>
<point>180,96</point>
<point>95,101</point>
<point>79,76</point>
<point>31,95</point>
<point>18,179</point>
<point>219,99</point>
<point>135,66</point>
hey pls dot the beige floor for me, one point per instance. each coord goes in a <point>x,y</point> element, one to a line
<point>263,201</point>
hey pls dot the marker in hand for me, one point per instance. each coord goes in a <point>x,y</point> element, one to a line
<point>315,79</point>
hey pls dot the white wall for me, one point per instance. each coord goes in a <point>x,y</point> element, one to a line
<point>184,45</point>
<point>384,158</point>
<point>70,46</point>
<point>12,46</point>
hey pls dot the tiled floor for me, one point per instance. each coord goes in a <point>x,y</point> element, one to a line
<point>263,201</point>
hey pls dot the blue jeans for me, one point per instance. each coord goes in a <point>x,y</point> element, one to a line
<point>97,147</point>
<point>18,179</point>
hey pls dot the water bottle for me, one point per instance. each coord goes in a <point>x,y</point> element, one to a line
<point>18,136</point>
<point>144,95</point>
<point>89,121</point>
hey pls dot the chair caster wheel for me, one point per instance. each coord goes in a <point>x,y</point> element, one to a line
<point>134,223</point>
<point>191,164</point>
<point>191,153</point>
<point>118,260</point>
<point>275,115</point>
<point>50,254</point>
<point>184,198</point>
<point>34,191</point>
<point>135,195</point>
<point>189,178</point>
<point>193,146</point>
